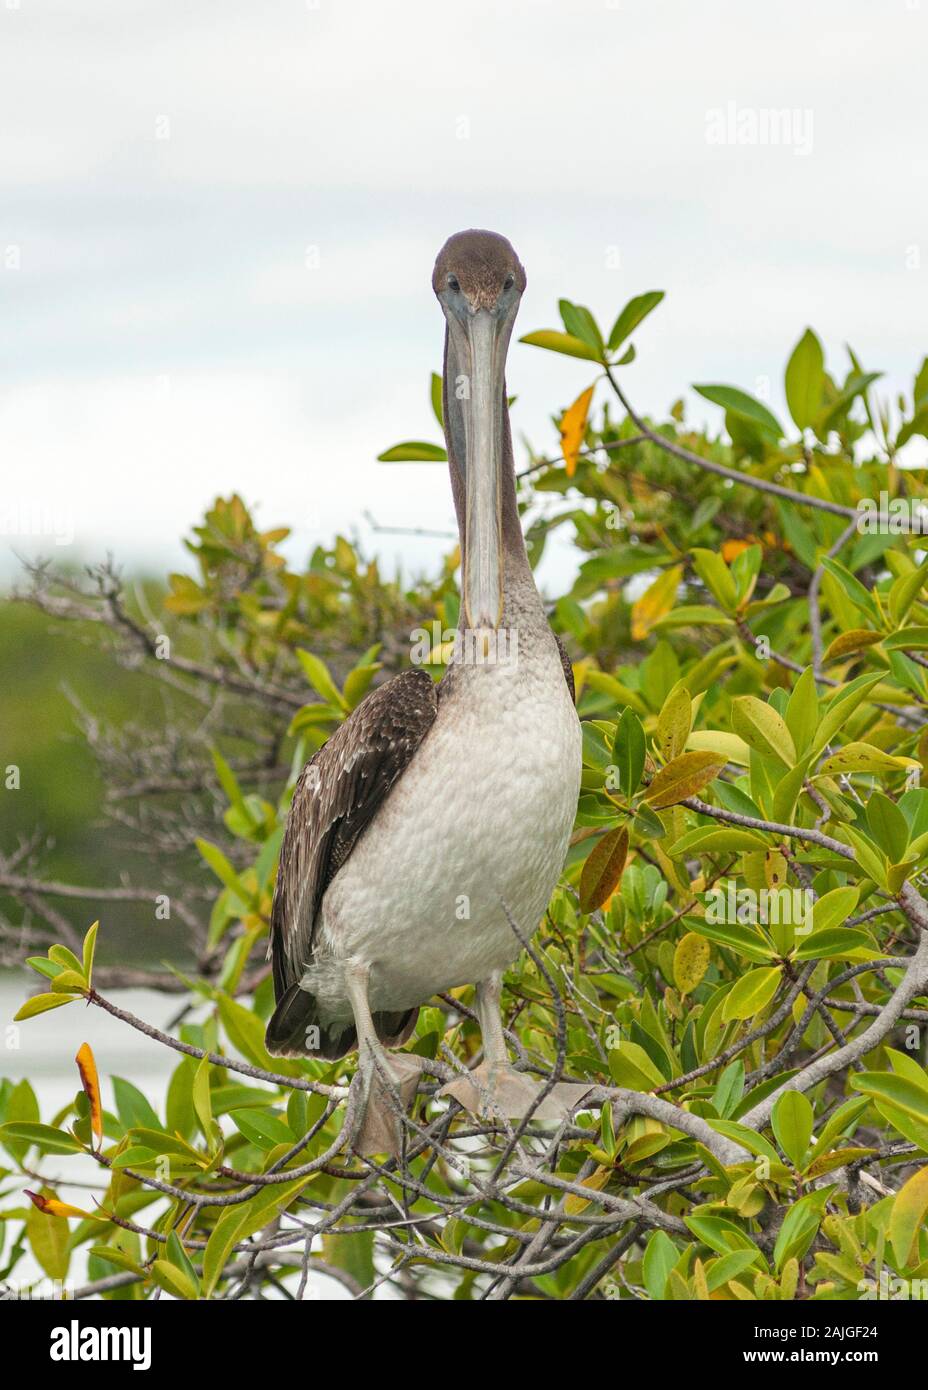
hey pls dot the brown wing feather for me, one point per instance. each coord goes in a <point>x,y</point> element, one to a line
<point>568,668</point>
<point>337,796</point>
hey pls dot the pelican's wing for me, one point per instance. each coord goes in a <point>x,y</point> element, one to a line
<point>339,792</point>
<point>568,668</point>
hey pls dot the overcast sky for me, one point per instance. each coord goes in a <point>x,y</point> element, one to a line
<point>218,222</point>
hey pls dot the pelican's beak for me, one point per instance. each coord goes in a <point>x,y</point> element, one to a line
<point>487,337</point>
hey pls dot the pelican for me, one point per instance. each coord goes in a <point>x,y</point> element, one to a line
<point>437,816</point>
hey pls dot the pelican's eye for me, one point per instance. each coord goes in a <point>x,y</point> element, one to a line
<point>453,284</point>
<point>508,283</point>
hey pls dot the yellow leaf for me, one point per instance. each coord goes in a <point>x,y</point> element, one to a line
<point>862,757</point>
<point>908,1215</point>
<point>732,549</point>
<point>574,1203</point>
<point>656,602</point>
<point>91,1084</point>
<point>50,1206</point>
<point>573,428</point>
<point>854,641</point>
<point>682,777</point>
<point>690,961</point>
<point>673,722</point>
<point>774,868</point>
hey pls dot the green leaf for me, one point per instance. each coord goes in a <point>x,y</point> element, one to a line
<point>132,1107</point>
<point>414,451</point>
<point>238,1223</point>
<point>788,791</point>
<point>22,1107</point>
<point>799,1229</point>
<point>728,1267</point>
<point>834,908</point>
<point>898,1090</point>
<point>628,751</point>
<point>840,708</point>
<point>320,678</point>
<point>888,826</point>
<point>69,982</point>
<point>223,870</point>
<point>49,1239</point>
<point>634,313</point>
<point>40,1004</point>
<point>802,711</point>
<point>732,934</point>
<point>90,945</point>
<point>580,323</point>
<point>201,1099</point>
<point>435,395</point>
<point>792,1120</point>
<point>45,1137</point>
<point>630,1066</point>
<point>261,1128</point>
<point>176,1282</point>
<point>857,384</point>
<point>739,403</point>
<point>716,576</point>
<point>762,728</point>
<point>835,943</point>
<point>843,1120</point>
<point>805,380</point>
<point>751,993</point>
<point>246,1031</point>
<point>905,591</point>
<point>660,1256</point>
<point>859,596</point>
<point>67,959</point>
<point>720,1234</point>
<point>728,1089</point>
<point>705,839</point>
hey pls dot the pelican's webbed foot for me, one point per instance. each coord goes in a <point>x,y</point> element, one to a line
<point>499,1090</point>
<point>387,1082</point>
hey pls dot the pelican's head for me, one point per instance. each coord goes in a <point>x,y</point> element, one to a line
<point>479,282</point>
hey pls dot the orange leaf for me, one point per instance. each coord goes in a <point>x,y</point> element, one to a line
<point>573,427</point>
<point>732,549</point>
<point>600,875</point>
<point>91,1084</point>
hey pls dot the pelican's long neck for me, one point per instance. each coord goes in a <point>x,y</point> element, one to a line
<point>521,599</point>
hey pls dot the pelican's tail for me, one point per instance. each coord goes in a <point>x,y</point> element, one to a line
<point>296,1029</point>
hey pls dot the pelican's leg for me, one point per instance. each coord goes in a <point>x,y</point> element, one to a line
<point>495,1086</point>
<point>387,1080</point>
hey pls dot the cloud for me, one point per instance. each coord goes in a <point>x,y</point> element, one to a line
<point>366,133</point>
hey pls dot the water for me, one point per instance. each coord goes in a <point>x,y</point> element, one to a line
<point>42,1049</point>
